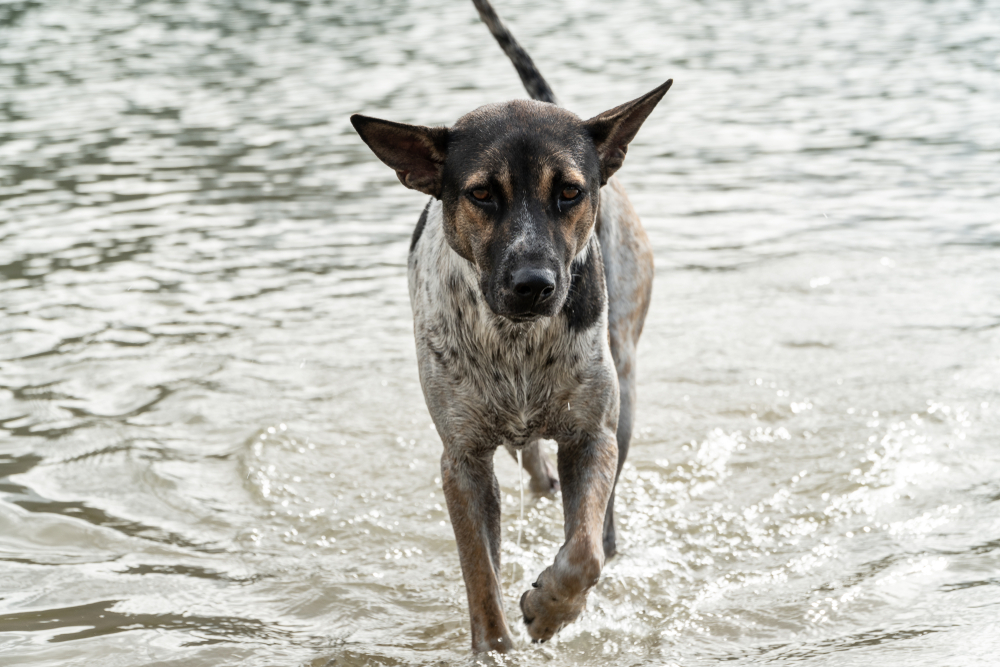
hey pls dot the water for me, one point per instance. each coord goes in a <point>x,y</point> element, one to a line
<point>213,445</point>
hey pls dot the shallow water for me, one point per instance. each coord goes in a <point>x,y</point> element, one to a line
<point>213,445</point>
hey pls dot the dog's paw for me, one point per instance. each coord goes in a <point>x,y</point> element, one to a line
<point>544,476</point>
<point>546,611</point>
<point>545,485</point>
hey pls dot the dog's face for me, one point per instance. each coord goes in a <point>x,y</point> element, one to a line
<point>519,184</point>
<point>519,192</point>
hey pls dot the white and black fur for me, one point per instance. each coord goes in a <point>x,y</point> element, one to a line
<point>529,277</point>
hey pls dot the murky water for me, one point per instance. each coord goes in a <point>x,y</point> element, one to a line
<point>213,445</point>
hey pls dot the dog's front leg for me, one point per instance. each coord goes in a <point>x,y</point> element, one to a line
<point>473,496</point>
<point>587,474</point>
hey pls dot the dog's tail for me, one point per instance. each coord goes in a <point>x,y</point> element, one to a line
<point>530,76</point>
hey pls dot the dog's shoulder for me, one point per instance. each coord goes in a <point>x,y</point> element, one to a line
<point>628,262</point>
<point>442,284</point>
<point>421,223</point>
<point>427,239</point>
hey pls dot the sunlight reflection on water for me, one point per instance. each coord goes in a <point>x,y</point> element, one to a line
<point>213,444</point>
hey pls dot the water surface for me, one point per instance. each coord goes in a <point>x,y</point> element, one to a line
<point>213,445</point>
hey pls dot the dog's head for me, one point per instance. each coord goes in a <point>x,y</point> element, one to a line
<point>519,183</point>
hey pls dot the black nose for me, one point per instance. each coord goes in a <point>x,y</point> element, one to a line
<point>534,285</point>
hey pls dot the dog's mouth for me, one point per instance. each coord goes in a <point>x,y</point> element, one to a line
<point>523,318</point>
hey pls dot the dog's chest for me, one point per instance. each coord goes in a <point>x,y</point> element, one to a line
<point>515,379</point>
<point>510,383</point>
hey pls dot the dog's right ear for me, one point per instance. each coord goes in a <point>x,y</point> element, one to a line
<point>415,152</point>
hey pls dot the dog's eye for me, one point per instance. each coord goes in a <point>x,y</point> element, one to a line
<point>567,198</point>
<point>481,194</point>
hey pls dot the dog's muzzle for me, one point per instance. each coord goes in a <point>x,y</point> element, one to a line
<point>531,293</point>
<point>532,287</point>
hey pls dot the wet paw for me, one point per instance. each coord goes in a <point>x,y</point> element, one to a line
<point>544,479</point>
<point>546,612</point>
<point>542,486</point>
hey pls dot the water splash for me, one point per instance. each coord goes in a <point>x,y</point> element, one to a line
<point>520,490</point>
<point>520,513</point>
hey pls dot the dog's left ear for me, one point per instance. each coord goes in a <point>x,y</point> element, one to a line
<point>613,130</point>
<point>415,152</point>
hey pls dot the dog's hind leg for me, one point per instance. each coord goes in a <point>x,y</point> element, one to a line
<point>473,496</point>
<point>628,264</point>
<point>626,388</point>
<point>544,478</point>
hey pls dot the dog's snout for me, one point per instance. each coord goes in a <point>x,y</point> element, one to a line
<point>533,285</point>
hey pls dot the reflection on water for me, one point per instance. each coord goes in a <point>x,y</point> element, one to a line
<point>213,446</point>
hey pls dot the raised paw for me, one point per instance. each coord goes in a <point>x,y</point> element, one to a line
<point>546,610</point>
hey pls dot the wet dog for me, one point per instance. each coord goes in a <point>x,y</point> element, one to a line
<point>529,276</point>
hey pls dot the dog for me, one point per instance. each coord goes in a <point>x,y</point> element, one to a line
<point>529,277</point>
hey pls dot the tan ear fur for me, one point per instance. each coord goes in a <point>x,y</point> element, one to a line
<point>614,129</point>
<point>416,153</point>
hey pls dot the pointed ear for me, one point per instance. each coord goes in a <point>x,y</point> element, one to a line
<point>614,129</point>
<point>416,153</point>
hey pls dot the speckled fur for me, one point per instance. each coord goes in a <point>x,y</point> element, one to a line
<point>491,382</point>
<point>500,370</point>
